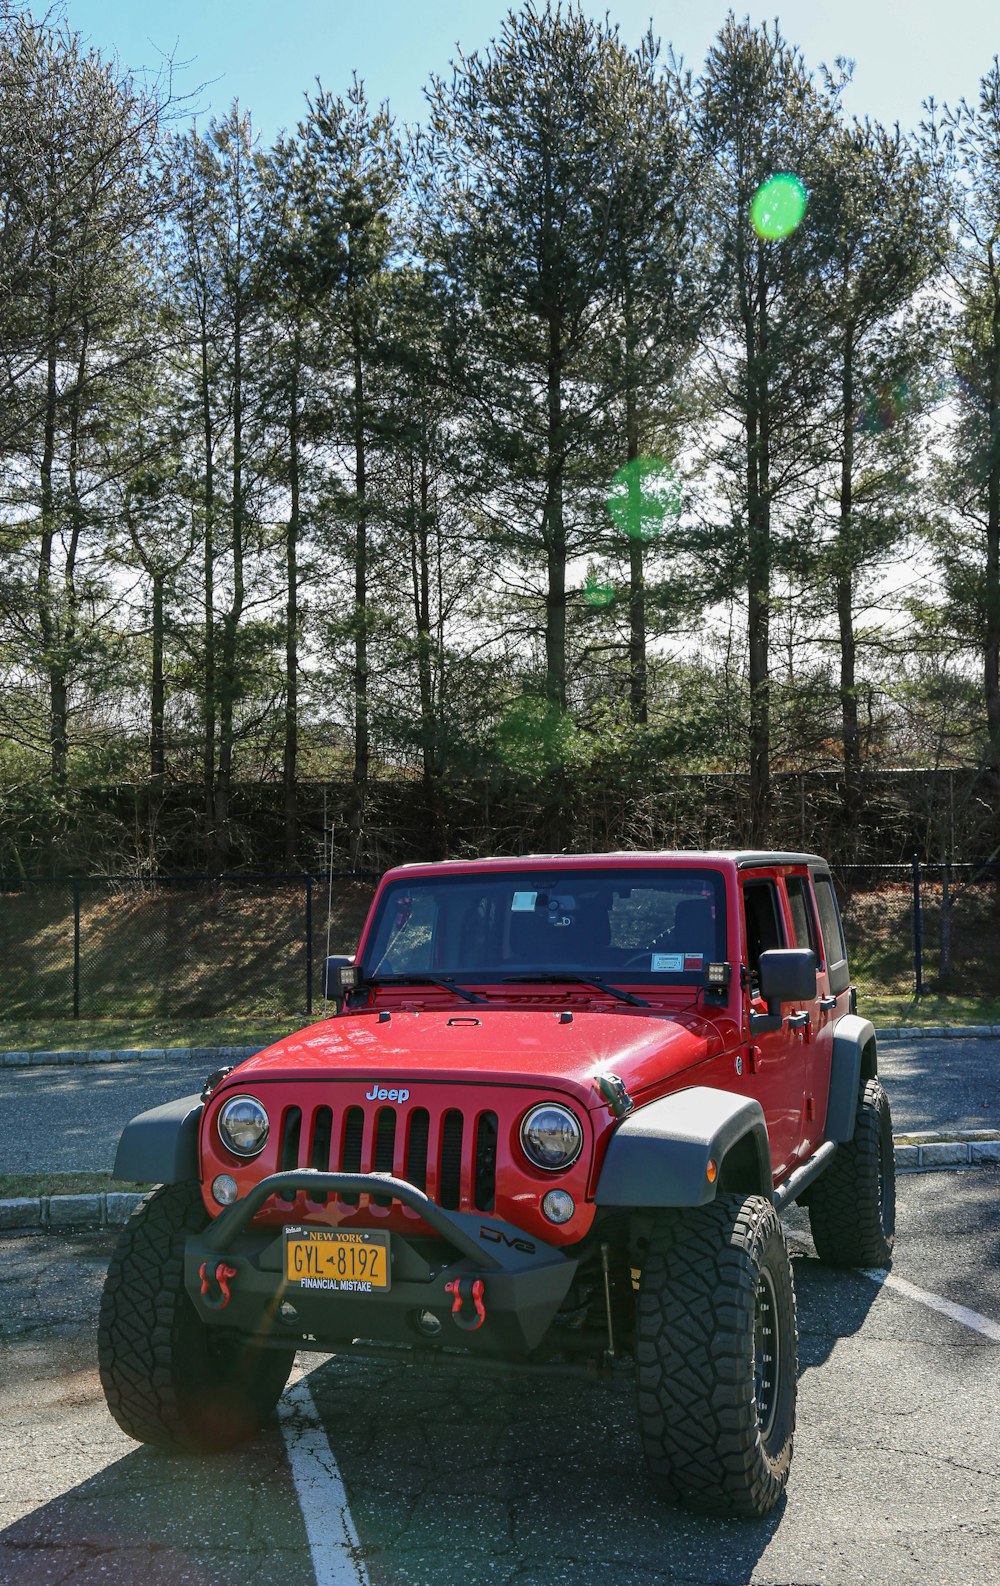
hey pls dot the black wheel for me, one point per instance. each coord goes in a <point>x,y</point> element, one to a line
<point>852,1206</point>
<point>716,1358</point>
<point>168,1378</point>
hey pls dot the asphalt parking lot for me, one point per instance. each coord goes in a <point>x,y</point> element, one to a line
<point>896,1476</point>
<point>69,1119</point>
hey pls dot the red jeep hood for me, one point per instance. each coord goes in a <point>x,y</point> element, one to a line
<point>504,1045</point>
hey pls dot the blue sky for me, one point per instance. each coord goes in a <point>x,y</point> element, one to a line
<point>268,54</point>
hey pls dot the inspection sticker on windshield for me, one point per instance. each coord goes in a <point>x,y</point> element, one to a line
<point>523,902</point>
<point>667,963</point>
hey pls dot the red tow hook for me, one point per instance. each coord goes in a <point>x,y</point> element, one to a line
<point>219,1274</point>
<point>466,1289</point>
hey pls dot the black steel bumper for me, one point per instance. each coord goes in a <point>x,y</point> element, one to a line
<point>235,1276</point>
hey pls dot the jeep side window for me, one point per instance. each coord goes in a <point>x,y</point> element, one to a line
<point>833,933</point>
<point>764,925</point>
<point>803,922</point>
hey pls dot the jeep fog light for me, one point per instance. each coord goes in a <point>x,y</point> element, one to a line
<point>224,1189</point>
<point>551,1137</point>
<point>243,1126</point>
<point>558,1206</point>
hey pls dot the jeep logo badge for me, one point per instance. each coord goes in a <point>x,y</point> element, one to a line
<point>379,1093</point>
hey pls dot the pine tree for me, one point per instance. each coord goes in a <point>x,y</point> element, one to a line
<point>762,119</point>
<point>964,146</point>
<point>350,192</point>
<point>658,303</point>
<point>522,173</point>
<point>77,135</point>
<point>219,303</point>
<point>875,242</point>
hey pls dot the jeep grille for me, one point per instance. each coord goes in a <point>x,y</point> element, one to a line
<point>452,1156</point>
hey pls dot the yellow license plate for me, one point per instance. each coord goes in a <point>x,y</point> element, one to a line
<point>328,1258</point>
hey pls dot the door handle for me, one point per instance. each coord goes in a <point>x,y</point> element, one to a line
<point>828,1002</point>
<point>798,1021</point>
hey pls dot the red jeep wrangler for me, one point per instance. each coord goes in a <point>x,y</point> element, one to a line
<point>556,1116</point>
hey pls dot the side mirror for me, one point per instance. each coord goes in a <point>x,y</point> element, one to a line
<point>786,974</point>
<point>339,977</point>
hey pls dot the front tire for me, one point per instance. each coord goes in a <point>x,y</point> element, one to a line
<point>716,1357</point>
<point>168,1379</point>
<point>852,1206</point>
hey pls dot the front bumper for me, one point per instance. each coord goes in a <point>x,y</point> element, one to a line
<point>524,1281</point>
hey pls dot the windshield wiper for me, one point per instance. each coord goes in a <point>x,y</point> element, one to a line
<point>444,981</point>
<point>577,980</point>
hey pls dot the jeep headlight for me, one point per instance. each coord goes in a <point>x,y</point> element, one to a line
<point>551,1137</point>
<point>243,1126</point>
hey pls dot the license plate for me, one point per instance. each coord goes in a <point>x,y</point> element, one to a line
<point>331,1258</point>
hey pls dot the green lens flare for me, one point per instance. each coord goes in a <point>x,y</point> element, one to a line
<point>643,494</point>
<point>778,206</point>
<point>598,594</point>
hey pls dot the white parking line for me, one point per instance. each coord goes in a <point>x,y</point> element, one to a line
<point>333,1540</point>
<point>937,1302</point>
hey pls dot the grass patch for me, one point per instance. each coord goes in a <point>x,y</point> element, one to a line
<point>15,1186</point>
<point>73,1035</point>
<point>895,1011</point>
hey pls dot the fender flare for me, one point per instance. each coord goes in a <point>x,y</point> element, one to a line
<point>659,1154</point>
<point>853,1038</point>
<point>161,1146</point>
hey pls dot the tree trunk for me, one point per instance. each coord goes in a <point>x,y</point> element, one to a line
<point>290,760</point>
<point>759,572</point>
<point>231,617</point>
<point>555,530</point>
<point>208,702</point>
<point>991,637</point>
<point>638,700</point>
<point>47,622</point>
<point>157,755</point>
<point>845,600</point>
<point>420,568</point>
<point>361,744</point>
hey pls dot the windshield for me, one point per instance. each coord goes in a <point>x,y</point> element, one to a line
<point>642,925</point>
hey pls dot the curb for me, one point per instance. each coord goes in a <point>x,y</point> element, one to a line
<point>921,1150</point>
<point>225,1054</point>
<point>940,1032</point>
<point>914,1153</point>
<point>108,1209</point>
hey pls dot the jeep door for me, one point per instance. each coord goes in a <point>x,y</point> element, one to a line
<point>777,1057</point>
<point>817,1036</point>
<point>835,995</point>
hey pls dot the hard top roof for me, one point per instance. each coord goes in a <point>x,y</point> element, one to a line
<point>742,858</point>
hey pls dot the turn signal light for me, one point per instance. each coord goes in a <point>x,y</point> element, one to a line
<point>711,1172</point>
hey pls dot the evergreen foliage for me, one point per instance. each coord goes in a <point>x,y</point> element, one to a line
<point>620,421</point>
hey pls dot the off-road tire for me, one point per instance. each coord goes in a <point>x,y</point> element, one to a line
<point>716,1418</point>
<point>852,1206</point>
<point>169,1379</point>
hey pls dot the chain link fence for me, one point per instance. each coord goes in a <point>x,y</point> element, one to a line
<point>922,928</point>
<point>190,947</point>
<point>177,947</point>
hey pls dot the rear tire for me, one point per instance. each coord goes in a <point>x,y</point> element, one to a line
<point>716,1360</point>
<point>852,1206</point>
<point>168,1378</point>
